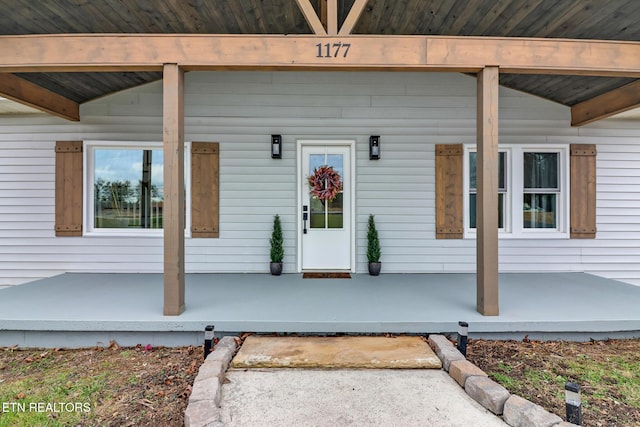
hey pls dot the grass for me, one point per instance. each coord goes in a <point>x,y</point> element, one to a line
<point>60,388</point>
<point>140,386</point>
<point>608,373</point>
<point>616,378</point>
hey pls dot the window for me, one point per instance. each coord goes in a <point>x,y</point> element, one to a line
<point>326,213</point>
<point>540,190</point>
<point>532,191</point>
<point>125,188</point>
<point>502,188</point>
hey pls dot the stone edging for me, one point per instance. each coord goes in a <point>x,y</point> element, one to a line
<point>515,411</point>
<point>203,409</point>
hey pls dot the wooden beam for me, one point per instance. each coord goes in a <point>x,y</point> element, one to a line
<point>332,17</point>
<point>323,13</point>
<point>173,203</point>
<point>117,52</point>
<point>487,189</point>
<point>24,92</point>
<point>616,101</point>
<point>312,17</point>
<point>353,17</point>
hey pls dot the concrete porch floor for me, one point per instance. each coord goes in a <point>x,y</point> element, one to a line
<point>74,309</point>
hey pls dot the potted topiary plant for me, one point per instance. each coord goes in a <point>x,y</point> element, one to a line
<point>277,251</point>
<point>373,248</point>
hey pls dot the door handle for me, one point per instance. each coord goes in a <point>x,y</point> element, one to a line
<point>305,215</point>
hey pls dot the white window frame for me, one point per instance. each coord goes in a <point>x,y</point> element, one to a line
<point>515,193</point>
<point>467,191</point>
<point>89,177</point>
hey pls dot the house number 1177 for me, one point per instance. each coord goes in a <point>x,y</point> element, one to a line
<point>332,50</point>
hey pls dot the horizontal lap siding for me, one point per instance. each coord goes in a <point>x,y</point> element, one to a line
<point>27,177</point>
<point>411,111</point>
<point>618,205</point>
<point>29,249</point>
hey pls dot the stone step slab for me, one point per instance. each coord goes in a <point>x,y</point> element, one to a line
<point>349,352</point>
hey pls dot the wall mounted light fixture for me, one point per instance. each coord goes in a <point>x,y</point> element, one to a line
<point>276,146</point>
<point>374,147</point>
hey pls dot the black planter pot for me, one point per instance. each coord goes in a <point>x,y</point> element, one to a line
<point>374,268</point>
<point>276,268</point>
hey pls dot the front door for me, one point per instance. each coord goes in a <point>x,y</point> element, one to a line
<point>326,213</point>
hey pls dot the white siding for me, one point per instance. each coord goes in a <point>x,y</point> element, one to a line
<point>411,112</point>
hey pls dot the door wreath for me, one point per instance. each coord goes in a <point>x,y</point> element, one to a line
<point>325,183</point>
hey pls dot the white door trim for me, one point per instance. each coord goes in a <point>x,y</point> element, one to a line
<point>351,143</point>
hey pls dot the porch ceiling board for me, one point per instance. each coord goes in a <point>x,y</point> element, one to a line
<point>611,20</point>
<point>157,16</point>
<point>563,89</point>
<point>580,19</point>
<point>82,86</point>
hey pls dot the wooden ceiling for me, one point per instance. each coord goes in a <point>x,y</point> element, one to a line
<point>581,19</point>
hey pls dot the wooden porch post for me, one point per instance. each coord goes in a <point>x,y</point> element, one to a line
<point>487,192</point>
<point>173,209</point>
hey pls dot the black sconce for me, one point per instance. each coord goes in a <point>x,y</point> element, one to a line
<point>276,146</point>
<point>374,147</point>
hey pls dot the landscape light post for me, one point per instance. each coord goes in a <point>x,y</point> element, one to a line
<point>573,403</point>
<point>208,340</point>
<point>463,334</point>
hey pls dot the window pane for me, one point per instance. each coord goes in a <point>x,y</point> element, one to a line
<point>334,212</point>
<point>500,210</point>
<point>502,171</point>
<point>502,179</point>
<point>472,210</point>
<point>539,211</point>
<point>334,207</point>
<point>315,161</point>
<point>335,161</point>
<point>317,213</point>
<point>541,170</point>
<point>472,170</point>
<point>128,188</point>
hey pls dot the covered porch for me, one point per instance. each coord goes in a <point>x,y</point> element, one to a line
<point>75,310</point>
<point>316,35</point>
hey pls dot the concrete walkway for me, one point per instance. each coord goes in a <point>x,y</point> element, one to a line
<point>457,394</point>
<point>330,381</point>
<point>371,397</point>
<point>344,381</point>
